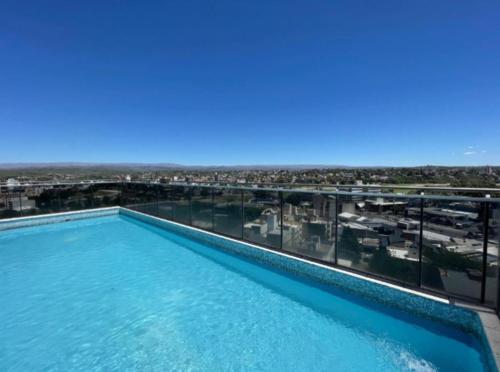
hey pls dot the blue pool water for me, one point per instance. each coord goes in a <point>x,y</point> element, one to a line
<point>113,293</point>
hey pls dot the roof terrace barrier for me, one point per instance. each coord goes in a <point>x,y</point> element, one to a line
<point>441,244</point>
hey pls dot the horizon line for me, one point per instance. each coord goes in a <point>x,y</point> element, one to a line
<point>69,164</point>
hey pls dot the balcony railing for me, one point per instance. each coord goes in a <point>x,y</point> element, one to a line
<point>442,244</point>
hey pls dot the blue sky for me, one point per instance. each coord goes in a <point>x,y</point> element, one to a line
<point>251,82</point>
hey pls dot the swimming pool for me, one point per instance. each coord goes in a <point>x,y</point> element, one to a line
<point>116,293</point>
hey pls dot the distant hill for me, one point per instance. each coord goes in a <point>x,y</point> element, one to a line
<point>159,166</point>
<point>173,166</point>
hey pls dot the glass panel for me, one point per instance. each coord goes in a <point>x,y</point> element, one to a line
<point>201,207</point>
<point>140,197</point>
<point>181,204</point>
<point>227,212</point>
<point>380,236</point>
<point>309,225</point>
<point>106,194</point>
<point>42,200</point>
<point>492,258</point>
<point>165,205</point>
<point>11,202</point>
<point>262,218</point>
<point>75,197</point>
<point>453,247</point>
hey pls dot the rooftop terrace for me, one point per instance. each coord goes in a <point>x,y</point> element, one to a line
<point>444,245</point>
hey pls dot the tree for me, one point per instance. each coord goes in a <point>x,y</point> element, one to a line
<point>384,264</point>
<point>349,245</point>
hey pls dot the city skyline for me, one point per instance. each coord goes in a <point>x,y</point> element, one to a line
<point>230,83</point>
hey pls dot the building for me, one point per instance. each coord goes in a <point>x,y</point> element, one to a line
<point>18,203</point>
<point>382,205</point>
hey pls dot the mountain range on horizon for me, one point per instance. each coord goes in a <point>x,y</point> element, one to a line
<point>35,165</point>
<point>175,166</point>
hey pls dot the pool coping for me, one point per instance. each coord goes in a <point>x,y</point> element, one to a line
<point>491,327</point>
<point>488,331</point>
<point>45,219</point>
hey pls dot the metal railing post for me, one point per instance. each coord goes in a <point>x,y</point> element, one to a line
<point>335,253</point>
<point>92,201</point>
<point>190,194</point>
<point>281,219</point>
<point>20,205</point>
<point>213,207</point>
<point>122,194</point>
<point>486,222</point>
<point>242,214</point>
<point>157,190</point>
<point>119,188</point>
<point>421,242</point>
<point>173,204</point>
<point>59,204</point>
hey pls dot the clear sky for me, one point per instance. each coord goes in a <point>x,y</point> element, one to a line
<point>348,82</point>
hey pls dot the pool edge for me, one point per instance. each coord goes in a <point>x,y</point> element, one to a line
<point>46,219</point>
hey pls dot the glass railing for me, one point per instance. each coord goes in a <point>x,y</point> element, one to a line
<point>202,208</point>
<point>380,235</point>
<point>262,218</point>
<point>443,244</point>
<point>309,225</point>
<point>228,212</point>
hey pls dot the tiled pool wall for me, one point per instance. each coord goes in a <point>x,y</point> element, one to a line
<point>409,301</point>
<point>419,304</point>
<point>15,223</point>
